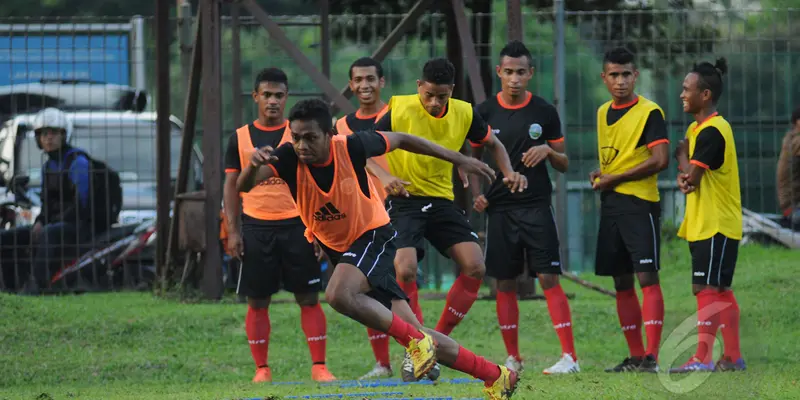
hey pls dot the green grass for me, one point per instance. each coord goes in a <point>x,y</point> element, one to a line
<point>135,346</point>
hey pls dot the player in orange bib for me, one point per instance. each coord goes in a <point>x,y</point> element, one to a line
<point>269,239</point>
<point>341,209</point>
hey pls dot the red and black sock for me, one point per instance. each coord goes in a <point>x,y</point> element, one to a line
<point>402,331</point>
<point>459,300</point>
<point>476,366</point>
<point>653,315</point>
<point>508,317</point>
<point>314,324</point>
<point>707,324</point>
<point>257,327</point>
<point>558,306</point>
<point>729,325</point>
<point>380,346</point>
<point>630,319</point>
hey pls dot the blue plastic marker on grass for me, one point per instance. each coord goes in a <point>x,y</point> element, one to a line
<point>339,396</point>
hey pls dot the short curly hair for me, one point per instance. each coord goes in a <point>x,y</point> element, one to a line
<point>439,71</point>
<point>313,110</point>
<point>272,75</point>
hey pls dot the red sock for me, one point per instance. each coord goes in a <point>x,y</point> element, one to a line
<point>411,290</point>
<point>729,325</point>
<point>508,317</point>
<point>257,327</point>
<point>380,346</point>
<point>653,315</point>
<point>402,331</point>
<point>707,324</point>
<point>459,300</point>
<point>476,366</point>
<point>558,305</point>
<point>630,318</point>
<point>312,318</point>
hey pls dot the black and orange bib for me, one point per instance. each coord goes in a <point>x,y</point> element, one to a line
<point>271,200</point>
<point>340,216</point>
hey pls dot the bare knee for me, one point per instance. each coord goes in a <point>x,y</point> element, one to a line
<point>548,281</point>
<point>306,299</point>
<point>338,298</point>
<point>258,303</point>
<point>469,258</point>
<point>405,265</point>
<point>474,269</point>
<point>506,285</point>
<point>646,279</point>
<point>623,282</point>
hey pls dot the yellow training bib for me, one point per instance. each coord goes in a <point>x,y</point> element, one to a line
<point>617,151</point>
<point>428,176</point>
<point>716,205</point>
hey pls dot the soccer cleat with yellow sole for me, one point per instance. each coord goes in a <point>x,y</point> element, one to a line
<point>423,354</point>
<point>503,388</point>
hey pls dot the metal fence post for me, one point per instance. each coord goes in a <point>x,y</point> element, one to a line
<point>559,97</point>
<point>185,38</point>
<point>138,66</point>
<point>211,283</point>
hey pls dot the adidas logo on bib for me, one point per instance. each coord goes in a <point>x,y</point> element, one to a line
<point>329,213</point>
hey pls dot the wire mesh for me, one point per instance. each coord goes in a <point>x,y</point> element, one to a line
<point>761,89</point>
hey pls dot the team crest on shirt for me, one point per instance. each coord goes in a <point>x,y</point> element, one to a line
<point>535,131</point>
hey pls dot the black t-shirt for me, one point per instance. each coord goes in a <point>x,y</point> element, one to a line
<point>709,149</point>
<point>654,132</point>
<point>259,137</point>
<point>358,123</point>
<point>478,133</point>
<point>361,146</point>
<point>534,123</point>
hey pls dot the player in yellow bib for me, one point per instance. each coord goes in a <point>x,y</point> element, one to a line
<point>712,222</point>
<point>424,208</point>
<point>632,148</point>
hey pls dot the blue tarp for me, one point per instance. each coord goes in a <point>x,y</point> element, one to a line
<point>97,57</point>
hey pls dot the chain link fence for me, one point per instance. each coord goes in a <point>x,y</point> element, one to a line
<point>761,89</point>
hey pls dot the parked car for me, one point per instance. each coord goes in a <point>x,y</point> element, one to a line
<point>69,95</point>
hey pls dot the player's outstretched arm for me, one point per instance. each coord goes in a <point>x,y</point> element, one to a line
<point>422,146</point>
<point>256,170</point>
<point>514,180</point>
<point>474,181</point>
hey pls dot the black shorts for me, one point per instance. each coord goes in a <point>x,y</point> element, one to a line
<point>438,220</point>
<point>373,254</point>
<point>277,255</point>
<point>512,236</point>
<point>628,243</point>
<point>714,260</point>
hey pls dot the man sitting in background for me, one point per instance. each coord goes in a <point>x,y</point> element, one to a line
<point>789,174</point>
<point>72,209</point>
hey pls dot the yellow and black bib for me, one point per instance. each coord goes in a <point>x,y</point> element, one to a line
<point>429,176</point>
<point>716,205</point>
<point>618,151</point>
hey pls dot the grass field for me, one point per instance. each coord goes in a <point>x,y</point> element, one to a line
<point>135,346</point>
